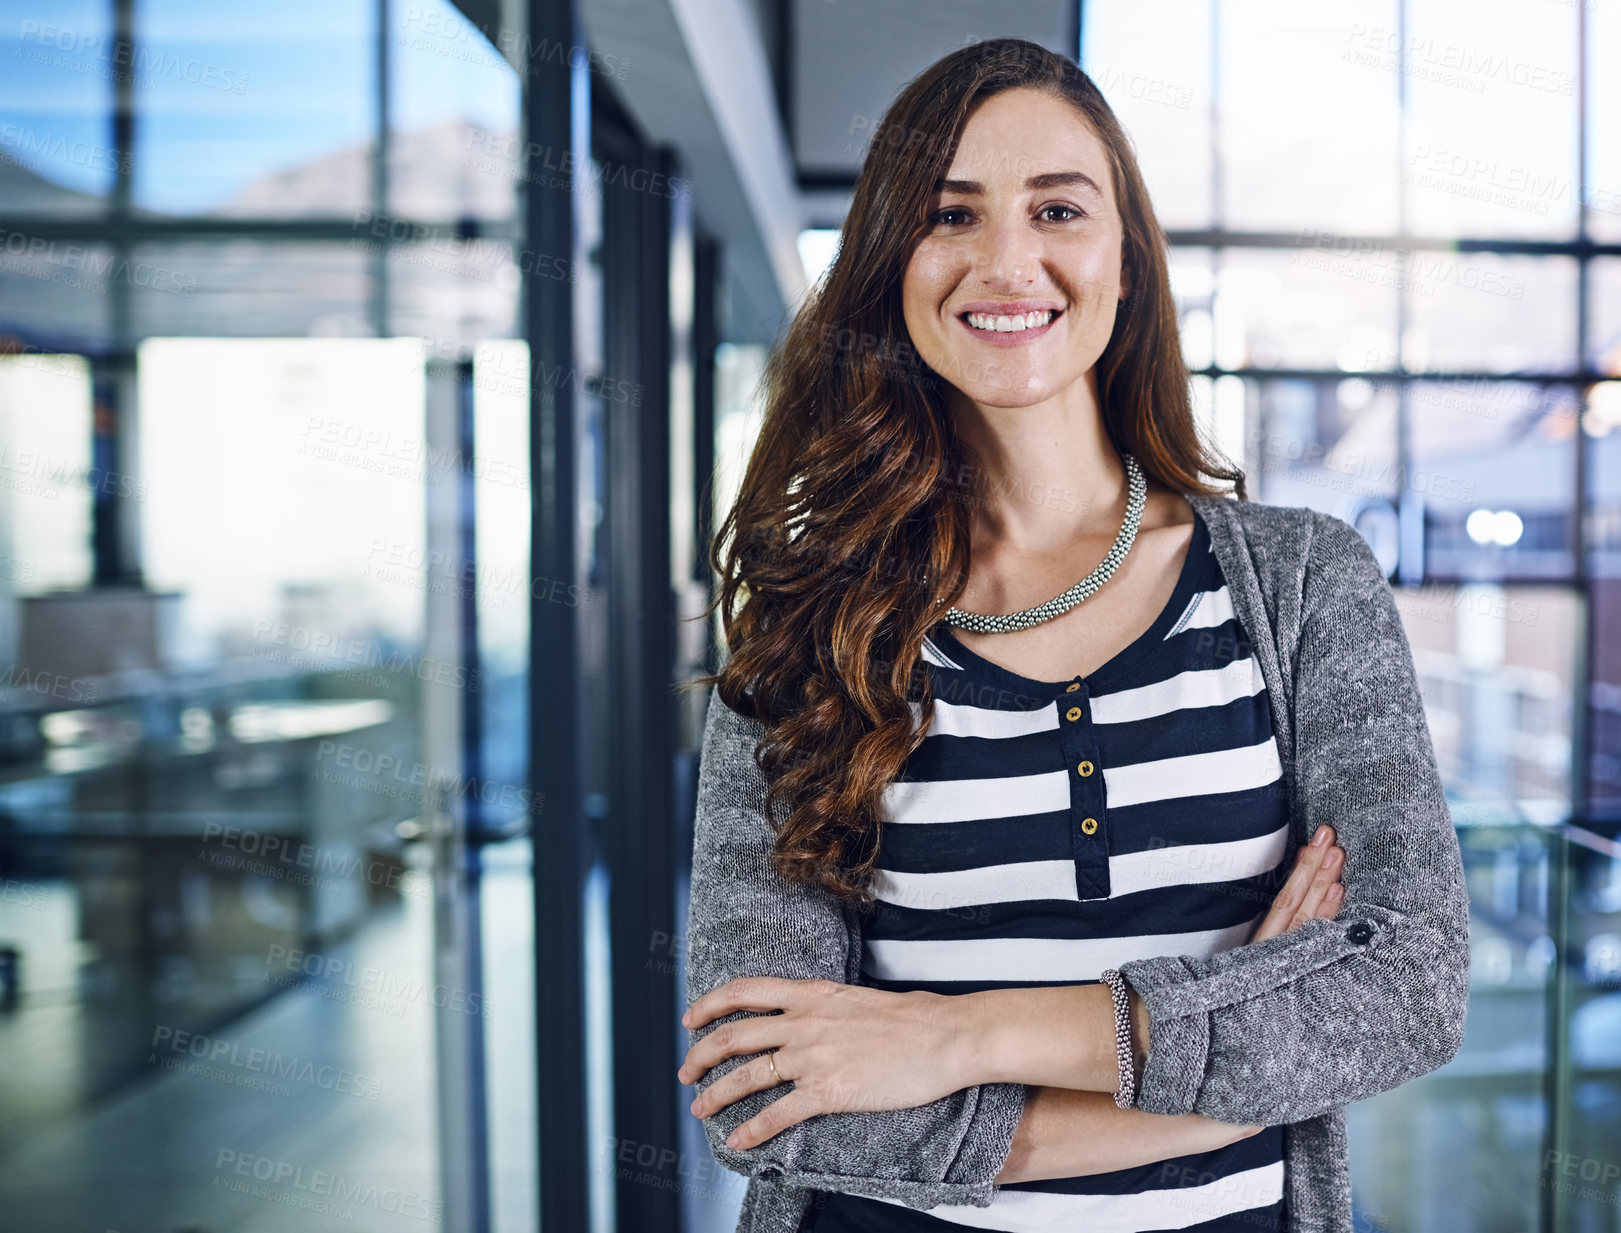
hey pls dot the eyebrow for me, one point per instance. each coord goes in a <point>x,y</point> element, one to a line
<point>1051,179</point>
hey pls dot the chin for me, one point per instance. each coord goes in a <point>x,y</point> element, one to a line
<point>1018,389</point>
<point>1004,398</point>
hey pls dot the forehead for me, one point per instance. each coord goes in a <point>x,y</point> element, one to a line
<point>1021,133</point>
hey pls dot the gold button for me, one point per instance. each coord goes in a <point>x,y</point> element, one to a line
<point>1072,687</point>
<point>1089,825</point>
<point>1085,768</point>
<point>1072,714</point>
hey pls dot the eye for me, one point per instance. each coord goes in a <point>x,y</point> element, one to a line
<point>1069,209</point>
<point>943,216</point>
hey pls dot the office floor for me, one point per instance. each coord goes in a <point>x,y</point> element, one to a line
<point>200,1146</point>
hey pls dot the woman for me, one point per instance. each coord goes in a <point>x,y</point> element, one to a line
<point>1007,953</point>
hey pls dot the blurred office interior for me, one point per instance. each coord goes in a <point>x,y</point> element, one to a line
<point>371,375</point>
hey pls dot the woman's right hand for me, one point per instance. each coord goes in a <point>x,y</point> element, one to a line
<point>1084,1133</point>
<point>1313,889</point>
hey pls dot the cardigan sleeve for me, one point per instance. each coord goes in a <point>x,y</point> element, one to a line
<point>746,920</point>
<point>1337,1010</point>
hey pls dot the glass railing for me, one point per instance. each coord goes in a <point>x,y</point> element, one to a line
<point>1522,1129</point>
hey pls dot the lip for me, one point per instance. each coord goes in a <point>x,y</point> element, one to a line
<point>1008,308</point>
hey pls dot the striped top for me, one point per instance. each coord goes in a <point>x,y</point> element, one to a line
<point>1045,831</point>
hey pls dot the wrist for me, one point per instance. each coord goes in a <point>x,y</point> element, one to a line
<point>1139,1031</point>
<point>972,1034</point>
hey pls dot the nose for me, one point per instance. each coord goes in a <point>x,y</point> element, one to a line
<point>1008,255</point>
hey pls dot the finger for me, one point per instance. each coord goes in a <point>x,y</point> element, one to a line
<point>772,1120</point>
<point>752,1076</point>
<point>1332,901</point>
<point>1307,861</point>
<point>1328,873</point>
<point>761,993</point>
<point>729,1040</point>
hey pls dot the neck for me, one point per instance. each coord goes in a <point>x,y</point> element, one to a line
<point>1050,474</point>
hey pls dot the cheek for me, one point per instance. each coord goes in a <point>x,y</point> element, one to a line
<point>929,279</point>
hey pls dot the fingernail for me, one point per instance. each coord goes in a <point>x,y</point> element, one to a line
<point>731,1139</point>
<point>1320,838</point>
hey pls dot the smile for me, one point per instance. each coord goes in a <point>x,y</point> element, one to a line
<point>1010,328</point>
<point>1010,325</point>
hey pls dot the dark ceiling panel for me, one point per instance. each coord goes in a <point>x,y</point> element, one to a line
<point>848,59</point>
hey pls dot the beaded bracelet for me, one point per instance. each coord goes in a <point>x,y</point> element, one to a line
<point>1122,1039</point>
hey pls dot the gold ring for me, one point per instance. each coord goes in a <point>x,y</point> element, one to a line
<point>772,1058</point>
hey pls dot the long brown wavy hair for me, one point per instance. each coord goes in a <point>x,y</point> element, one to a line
<point>850,534</point>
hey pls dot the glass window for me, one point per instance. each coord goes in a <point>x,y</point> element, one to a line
<point>1602,421</point>
<point>1471,312</point>
<point>1604,315</point>
<point>1324,443</point>
<point>1492,119</point>
<point>454,104</point>
<point>331,535</point>
<point>47,479</point>
<point>54,292</point>
<point>1318,305</point>
<point>55,98</point>
<point>501,521</point>
<point>1484,519</point>
<point>1497,676</point>
<point>456,290</point>
<point>1161,95</point>
<point>1286,161</point>
<point>250,288</point>
<point>265,113</point>
<point>1193,287</point>
<point>1603,121</point>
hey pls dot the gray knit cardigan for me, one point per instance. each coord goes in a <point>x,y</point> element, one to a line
<point>1287,1031</point>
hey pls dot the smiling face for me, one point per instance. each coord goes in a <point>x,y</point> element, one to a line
<point>1012,291</point>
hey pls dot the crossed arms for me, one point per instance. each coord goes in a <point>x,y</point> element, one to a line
<point>1279,1030</point>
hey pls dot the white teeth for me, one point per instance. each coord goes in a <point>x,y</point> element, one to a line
<point>1008,325</point>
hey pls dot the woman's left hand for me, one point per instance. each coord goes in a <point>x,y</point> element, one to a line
<point>846,1048</point>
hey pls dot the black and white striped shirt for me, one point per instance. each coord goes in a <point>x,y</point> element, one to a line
<point>1048,830</point>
